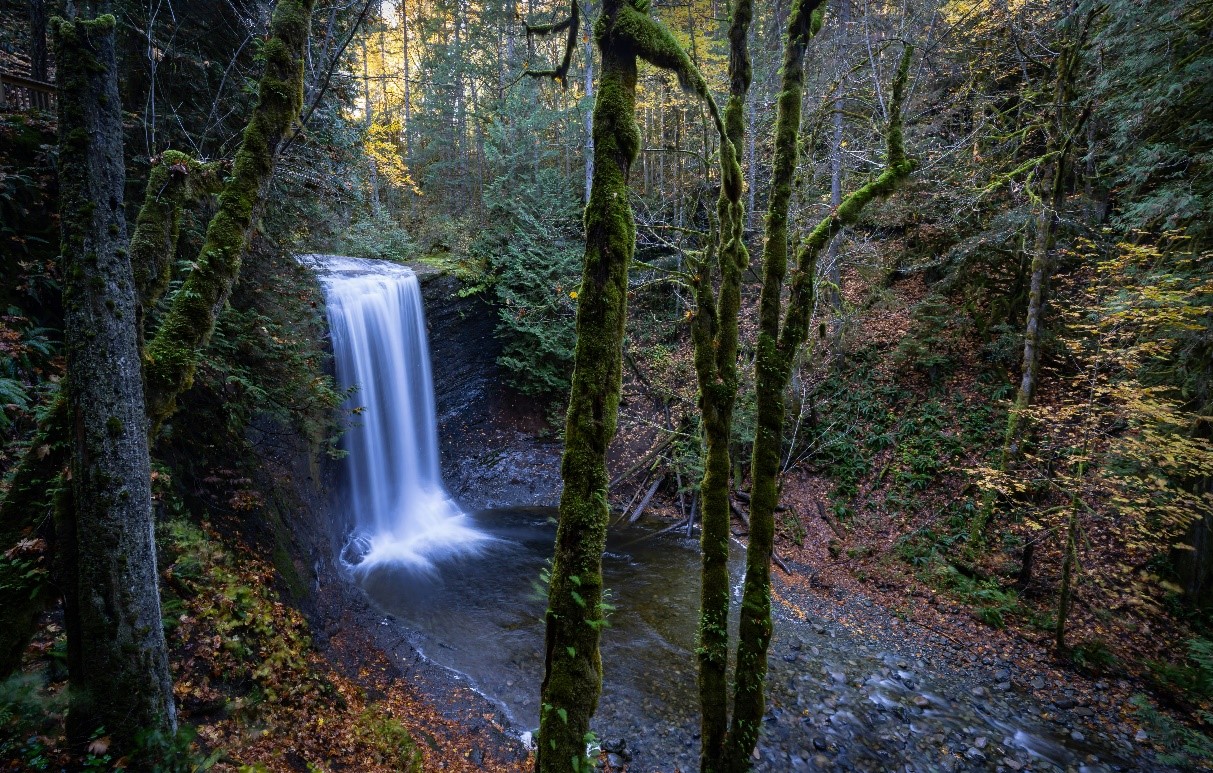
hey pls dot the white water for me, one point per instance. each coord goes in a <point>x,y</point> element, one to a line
<point>400,510</point>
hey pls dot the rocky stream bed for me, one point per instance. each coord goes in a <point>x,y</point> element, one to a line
<point>852,685</point>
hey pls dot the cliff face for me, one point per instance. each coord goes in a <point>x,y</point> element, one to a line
<point>491,455</point>
<point>463,348</point>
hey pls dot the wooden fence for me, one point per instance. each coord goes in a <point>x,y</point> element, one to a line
<point>19,93</point>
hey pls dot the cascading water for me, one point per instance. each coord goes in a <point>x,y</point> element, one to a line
<point>401,513</point>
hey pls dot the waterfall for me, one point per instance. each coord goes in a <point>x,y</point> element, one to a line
<point>400,510</point>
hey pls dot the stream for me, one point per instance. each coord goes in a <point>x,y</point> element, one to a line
<point>834,703</point>
<point>467,590</point>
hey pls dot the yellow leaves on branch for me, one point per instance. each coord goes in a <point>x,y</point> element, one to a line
<point>1120,435</point>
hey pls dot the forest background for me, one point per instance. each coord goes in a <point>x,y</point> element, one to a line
<point>1061,148</point>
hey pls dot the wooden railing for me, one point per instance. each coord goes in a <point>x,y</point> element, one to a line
<point>18,93</point>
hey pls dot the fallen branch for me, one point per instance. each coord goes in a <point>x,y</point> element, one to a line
<point>635,516</point>
<point>774,555</point>
<point>835,527</point>
<point>644,461</point>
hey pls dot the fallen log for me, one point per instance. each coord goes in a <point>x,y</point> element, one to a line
<point>635,516</point>
<point>774,556</point>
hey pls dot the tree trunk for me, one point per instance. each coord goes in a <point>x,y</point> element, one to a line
<point>777,348</point>
<point>833,254</point>
<point>37,39</point>
<point>589,120</point>
<point>754,634</point>
<point>408,94</point>
<point>1052,196</point>
<point>172,356</point>
<point>1066,591</point>
<point>714,330</point>
<point>572,664</point>
<point>117,658</point>
<point>575,615</point>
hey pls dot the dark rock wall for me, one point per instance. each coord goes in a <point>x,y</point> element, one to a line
<point>463,347</point>
<point>491,455</point>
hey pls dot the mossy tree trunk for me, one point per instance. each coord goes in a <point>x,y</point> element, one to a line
<point>172,355</point>
<point>117,657</point>
<point>576,614</point>
<point>1059,141</point>
<point>714,331</point>
<point>755,628</point>
<point>781,334</point>
<point>175,181</point>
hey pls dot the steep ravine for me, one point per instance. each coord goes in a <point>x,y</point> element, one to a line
<point>852,687</point>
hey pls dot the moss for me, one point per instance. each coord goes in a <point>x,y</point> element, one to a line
<point>175,180</point>
<point>714,331</point>
<point>172,355</point>
<point>575,615</point>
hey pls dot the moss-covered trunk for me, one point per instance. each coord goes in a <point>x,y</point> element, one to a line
<point>174,181</point>
<point>1058,142</point>
<point>172,356</point>
<point>117,658</point>
<point>778,344</point>
<point>575,616</point>
<point>714,331</point>
<point>755,628</point>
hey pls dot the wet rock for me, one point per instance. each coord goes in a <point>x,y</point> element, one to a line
<point>1064,703</point>
<point>1038,682</point>
<point>617,746</point>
